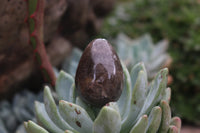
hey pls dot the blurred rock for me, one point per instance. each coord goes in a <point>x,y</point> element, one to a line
<point>83,19</point>
<point>75,20</point>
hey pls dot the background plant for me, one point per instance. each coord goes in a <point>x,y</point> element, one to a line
<point>13,113</point>
<point>179,22</point>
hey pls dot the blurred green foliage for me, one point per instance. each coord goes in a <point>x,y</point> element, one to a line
<point>179,22</point>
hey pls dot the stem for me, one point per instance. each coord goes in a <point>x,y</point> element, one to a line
<point>35,21</point>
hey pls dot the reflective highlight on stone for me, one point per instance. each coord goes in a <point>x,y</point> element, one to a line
<point>99,76</point>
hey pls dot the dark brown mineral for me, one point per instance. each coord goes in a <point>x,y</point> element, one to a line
<point>99,76</point>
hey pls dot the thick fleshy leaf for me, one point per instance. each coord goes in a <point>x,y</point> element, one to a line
<point>68,131</point>
<point>26,126</point>
<point>108,121</point>
<point>113,105</point>
<point>89,109</point>
<point>156,63</point>
<point>137,101</point>
<point>167,95</point>
<point>134,73</point>
<point>172,129</point>
<point>21,103</point>
<point>76,116</point>
<point>123,44</point>
<point>2,128</point>
<point>52,111</point>
<point>44,120</point>
<point>124,100</point>
<point>146,44</point>
<point>140,126</point>
<point>160,48</point>
<point>155,91</point>
<point>166,117</point>
<point>31,127</point>
<point>65,87</point>
<point>176,121</point>
<point>154,120</point>
<point>71,63</point>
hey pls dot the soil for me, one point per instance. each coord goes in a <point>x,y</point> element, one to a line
<point>190,129</point>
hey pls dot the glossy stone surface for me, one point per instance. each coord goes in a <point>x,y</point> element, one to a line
<point>99,76</point>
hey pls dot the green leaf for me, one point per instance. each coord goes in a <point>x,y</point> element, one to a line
<point>123,44</point>
<point>167,95</point>
<point>141,125</point>
<point>44,120</point>
<point>31,127</point>
<point>172,129</point>
<point>134,73</point>
<point>154,120</point>
<point>68,131</point>
<point>2,128</point>
<point>160,48</point>
<point>156,91</point>
<point>137,101</point>
<point>52,111</point>
<point>71,63</point>
<point>166,117</point>
<point>146,43</point>
<point>176,121</point>
<point>65,87</point>
<point>76,116</point>
<point>124,100</point>
<point>108,121</point>
<point>87,107</point>
<point>156,63</point>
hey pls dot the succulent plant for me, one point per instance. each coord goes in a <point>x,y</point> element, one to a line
<point>130,52</point>
<point>12,114</point>
<point>141,108</point>
<point>142,49</point>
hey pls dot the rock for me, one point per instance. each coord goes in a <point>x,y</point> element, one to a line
<point>99,76</point>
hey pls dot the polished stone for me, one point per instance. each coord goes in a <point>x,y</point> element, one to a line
<point>99,76</point>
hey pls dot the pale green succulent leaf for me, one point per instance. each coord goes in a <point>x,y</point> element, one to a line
<point>123,44</point>
<point>159,48</point>
<point>156,63</point>
<point>154,120</point>
<point>141,125</point>
<point>71,63</point>
<point>44,120</point>
<point>108,121</point>
<point>134,73</point>
<point>176,121</point>
<point>2,128</point>
<point>166,117</point>
<point>146,44</point>
<point>89,109</point>
<point>124,100</point>
<point>167,95</point>
<point>52,111</point>
<point>172,129</point>
<point>155,91</point>
<point>76,116</point>
<point>68,131</point>
<point>137,101</point>
<point>65,87</point>
<point>26,126</point>
<point>114,106</point>
<point>32,127</point>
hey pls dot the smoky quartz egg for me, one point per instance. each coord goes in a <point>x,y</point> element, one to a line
<point>99,76</point>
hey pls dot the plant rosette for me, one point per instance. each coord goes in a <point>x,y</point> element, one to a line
<point>142,107</point>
